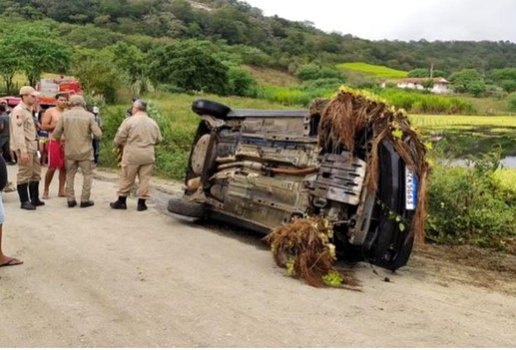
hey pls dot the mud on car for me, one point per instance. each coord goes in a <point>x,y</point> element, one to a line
<point>260,169</point>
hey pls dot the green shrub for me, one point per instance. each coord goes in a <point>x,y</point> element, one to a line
<point>312,72</point>
<point>241,82</point>
<point>470,205</point>
<point>421,102</point>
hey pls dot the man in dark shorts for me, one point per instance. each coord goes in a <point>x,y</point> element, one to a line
<point>55,147</point>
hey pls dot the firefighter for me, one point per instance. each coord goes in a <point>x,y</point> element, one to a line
<point>78,127</point>
<point>24,143</point>
<point>137,135</point>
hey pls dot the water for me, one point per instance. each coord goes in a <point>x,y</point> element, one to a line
<point>507,162</point>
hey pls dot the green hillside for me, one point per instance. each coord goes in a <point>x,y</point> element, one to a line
<point>371,69</point>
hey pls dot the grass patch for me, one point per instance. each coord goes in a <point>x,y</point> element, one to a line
<point>371,69</point>
<point>269,76</point>
<point>468,135</point>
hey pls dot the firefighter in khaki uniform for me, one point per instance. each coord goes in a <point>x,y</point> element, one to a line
<point>78,127</point>
<point>23,142</point>
<point>138,135</point>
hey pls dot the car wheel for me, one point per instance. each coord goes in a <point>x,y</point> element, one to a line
<point>206,107</point>
<point>181,207</point>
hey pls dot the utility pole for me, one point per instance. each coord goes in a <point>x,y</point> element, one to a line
<point>431,70</point>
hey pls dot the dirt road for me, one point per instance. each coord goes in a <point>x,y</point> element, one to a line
<point>96,277</point>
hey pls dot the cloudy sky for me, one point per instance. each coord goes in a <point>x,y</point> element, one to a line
<point>403,19</point>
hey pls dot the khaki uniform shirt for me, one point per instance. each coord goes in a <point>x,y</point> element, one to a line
<point>22,130</point>
<point>138,135</point>
<point>78,126</point>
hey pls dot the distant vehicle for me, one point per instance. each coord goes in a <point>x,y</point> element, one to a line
<point>49,88</point>
<point>12,101</point>
<point>261,169</point>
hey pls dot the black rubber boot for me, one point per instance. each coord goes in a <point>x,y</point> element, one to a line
<point>34,194</point>
<point>141,205</point>
<point>24,197</point>
<point>120,203</point>
<point>87,204</point>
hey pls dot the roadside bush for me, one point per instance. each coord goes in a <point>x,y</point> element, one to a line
<point>418,102</point>
<point>470,205</point>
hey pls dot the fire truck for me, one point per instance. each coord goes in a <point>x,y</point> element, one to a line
<point>49,88</point>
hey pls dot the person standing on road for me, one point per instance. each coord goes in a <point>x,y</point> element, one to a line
<point>78,127</point>
<point>55,148</point>
<point>137,135</point>
<point>4,260</point>
<point>4,134</point>
<point>23,141</point>
<point>96,141</point>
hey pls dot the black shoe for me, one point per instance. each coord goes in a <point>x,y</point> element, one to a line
<point>141,205</point>
<point>72,204</point>
<point>87,204</point>
<point>27,206</point>
<point>24,197</point>
<point>34,194</point>
<point>119,204</point>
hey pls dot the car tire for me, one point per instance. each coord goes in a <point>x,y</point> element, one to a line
<point>207,107</point>
<point>190,209</point>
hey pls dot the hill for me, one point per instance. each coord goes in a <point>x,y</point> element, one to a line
<point>269,41</point>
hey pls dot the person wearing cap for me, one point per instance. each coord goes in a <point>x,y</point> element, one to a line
<point>78,127</point>
<point>23,141</point>
<point>55,148</point>
<point>137,135</point>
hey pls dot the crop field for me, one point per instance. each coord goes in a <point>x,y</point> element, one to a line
<point>371,69</point>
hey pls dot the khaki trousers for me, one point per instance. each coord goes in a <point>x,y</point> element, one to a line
<point>30,171</point>
<point>87,173</point>
<point>128,176</point>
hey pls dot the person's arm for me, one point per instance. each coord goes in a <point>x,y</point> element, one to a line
<point>58,130</point>
<point>159,138</point>
<point>18,134</point>
<point>122,134</point>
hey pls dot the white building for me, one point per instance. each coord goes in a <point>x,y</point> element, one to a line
<point>440,85</point>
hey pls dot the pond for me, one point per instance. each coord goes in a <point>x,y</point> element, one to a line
<point>508,162</point>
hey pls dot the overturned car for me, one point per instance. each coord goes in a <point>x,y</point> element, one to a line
<point>358,165</point>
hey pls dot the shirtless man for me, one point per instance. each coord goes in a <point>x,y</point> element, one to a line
<point>55,148</point>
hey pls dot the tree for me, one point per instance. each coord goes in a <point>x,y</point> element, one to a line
<point>32,49</point>
<point>187,66</point>
<point>97,74</point>
<point>10,64</point>
<point>425,73</point>
<point>312,72</point>
<point>469,81</point>
<point>130,59</point>
<point>505,78</point>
